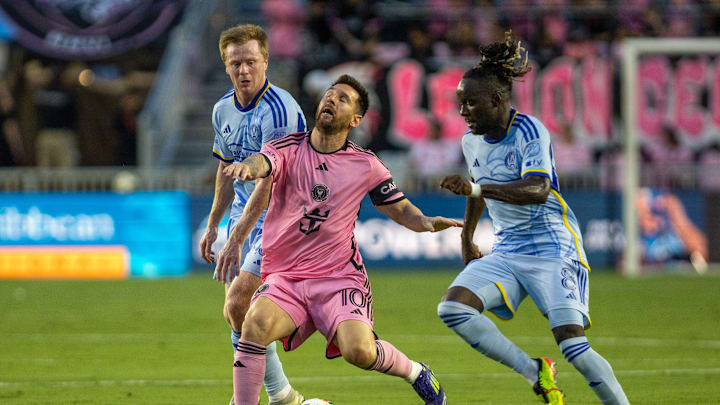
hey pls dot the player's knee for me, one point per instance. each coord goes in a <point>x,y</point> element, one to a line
<point>567,331</point>
<point>235,309</point>
<point>256,328</point>
<point>463,296</point>
<point>453,313</point>
<point>361,354</point>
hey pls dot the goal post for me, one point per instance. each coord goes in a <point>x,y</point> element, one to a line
<point>632,49</point>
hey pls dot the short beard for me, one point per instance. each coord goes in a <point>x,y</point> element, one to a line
<point>330,127</point>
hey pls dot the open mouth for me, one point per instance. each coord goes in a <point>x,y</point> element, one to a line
<point>327,111</point>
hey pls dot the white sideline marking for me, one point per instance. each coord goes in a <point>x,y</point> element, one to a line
<point>441,339</point>
<point>326,379</point>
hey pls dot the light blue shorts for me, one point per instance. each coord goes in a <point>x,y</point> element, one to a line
<point>251,251</point>
<point>553,283</point>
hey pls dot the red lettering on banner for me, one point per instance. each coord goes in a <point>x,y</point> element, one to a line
<point>408,122</point>
<point>557,80</point>
<point>596,85</point>
<point>523,94</point>
<point>715,94</point>
<point>442,87</point>
<point>652,98</point>
<point>689,81</point>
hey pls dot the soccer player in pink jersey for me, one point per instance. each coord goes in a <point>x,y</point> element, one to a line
<point>313,275</point>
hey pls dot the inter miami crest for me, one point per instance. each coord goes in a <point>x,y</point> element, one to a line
<point>310,222</point>
<point>320,192</point>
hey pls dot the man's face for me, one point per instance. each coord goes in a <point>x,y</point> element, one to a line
<point>337,110</point>
<point>246,66</point>
<point>477,108</point>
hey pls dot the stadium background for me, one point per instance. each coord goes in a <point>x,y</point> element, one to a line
<point>107,174</point>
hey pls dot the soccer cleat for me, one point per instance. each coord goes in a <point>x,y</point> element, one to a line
<point>546,386</point>
<point>428,387</point>
<point>292,398</point>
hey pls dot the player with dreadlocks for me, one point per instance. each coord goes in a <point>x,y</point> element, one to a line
<point>538,248</point>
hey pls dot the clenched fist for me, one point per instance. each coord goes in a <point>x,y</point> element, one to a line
<point>457,184</point>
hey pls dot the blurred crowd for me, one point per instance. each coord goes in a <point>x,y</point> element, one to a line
<point>329,32</point>
<point>73,113</point>
<point>318,35</point>
<point>57,113</point>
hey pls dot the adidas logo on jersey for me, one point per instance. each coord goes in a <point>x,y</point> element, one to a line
<point>357,311</point>
<point>322,166</point>
<point>227,130</point>
<point>476,164</point>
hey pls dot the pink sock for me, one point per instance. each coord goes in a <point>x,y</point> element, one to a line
<point>248,372</point>
<point>391,360</point>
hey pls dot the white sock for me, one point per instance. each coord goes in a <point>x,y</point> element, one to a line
<point>280,394</point>
<point>595,369</point>
<point>482,335</point>
<point>414,373</point>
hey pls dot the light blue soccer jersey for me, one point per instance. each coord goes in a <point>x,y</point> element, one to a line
<point>242,131</point>
<point>545,230</point>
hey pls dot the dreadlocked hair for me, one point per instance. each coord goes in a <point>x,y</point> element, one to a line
<point>505,60</point>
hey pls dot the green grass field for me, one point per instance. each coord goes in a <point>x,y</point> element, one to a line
<point>165,342</point>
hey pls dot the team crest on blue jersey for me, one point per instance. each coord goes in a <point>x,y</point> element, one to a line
<point>255,133</point>
<point>531,150</point>
<point>320,192</point>
<point>511,161</point>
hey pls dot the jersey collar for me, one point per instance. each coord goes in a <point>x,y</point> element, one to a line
<point>513,113</point>
<point>254,101</point>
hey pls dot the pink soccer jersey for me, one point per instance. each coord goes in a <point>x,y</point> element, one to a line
<point>315,201</point>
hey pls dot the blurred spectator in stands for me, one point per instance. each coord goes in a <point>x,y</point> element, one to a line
<point>461,39</point>
<point>355,27</point>
<point>320,49</point>
<point>710,18</point>
<point>125,125</point>
<point>434,157</point>
<point>631,18</point>
<point>285,20</point>
<point>11,145</point>
<point>52,95</point>
<point>421,45</point>
<point>554,21</point>
<point>518,17</point>
<point>485,22</point>
<point>572,156</point>
<point>682,18</point>
<point>671,160</point>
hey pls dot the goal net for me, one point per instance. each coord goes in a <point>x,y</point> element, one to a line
<point>670,92</point>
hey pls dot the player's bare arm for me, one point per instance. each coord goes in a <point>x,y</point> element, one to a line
<point>406,214</point>
<point>473,210</point>
<point>230,257</point>
<point>530,190</point>
<point>254,167</point>
<point>224,195</point>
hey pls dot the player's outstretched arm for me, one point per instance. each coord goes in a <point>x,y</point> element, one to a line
<point>406,214</point>
<point>224,194</point>
<point>256,166</point>
<point>473,210</point>
<point>530,190</point>
<point>230,256</point>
